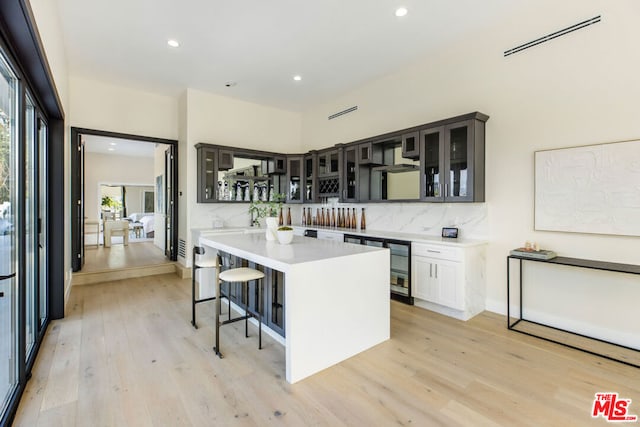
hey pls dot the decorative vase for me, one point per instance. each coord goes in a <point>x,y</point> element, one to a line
<point>285,236</point>
<point>272,228</point>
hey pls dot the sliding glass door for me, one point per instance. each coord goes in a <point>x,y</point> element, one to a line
<point>8,241</point>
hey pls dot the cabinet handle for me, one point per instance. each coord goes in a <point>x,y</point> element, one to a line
<point>436,271</point>
<point>430,270</point>
<point>435,252</point>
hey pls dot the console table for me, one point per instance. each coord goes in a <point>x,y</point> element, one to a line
<point>571,262</point>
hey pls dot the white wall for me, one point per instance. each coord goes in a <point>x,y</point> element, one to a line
<point>219,120</point>
<point>104,106</point>
<point>45,13</point>
<point>112,169</point>
<point>578,89</point>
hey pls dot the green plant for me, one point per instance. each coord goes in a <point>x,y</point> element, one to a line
<point>110,202</point>
<point>285,228</point>
<point>259,209</point>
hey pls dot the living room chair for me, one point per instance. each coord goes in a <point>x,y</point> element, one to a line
<point>116,228</point>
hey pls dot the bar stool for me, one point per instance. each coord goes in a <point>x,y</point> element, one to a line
<point>242,275</point>
<point>197,264</point>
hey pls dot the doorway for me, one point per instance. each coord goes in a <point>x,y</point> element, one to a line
<point>160,191</point>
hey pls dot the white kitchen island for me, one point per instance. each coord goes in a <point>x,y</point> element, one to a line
<point>336,296</point>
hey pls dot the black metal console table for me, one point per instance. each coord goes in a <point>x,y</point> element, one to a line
<point>571,262</point>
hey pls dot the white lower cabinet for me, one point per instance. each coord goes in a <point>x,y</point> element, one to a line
<point>448,280</point>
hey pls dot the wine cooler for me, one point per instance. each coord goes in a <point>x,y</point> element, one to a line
<point>400,274</point>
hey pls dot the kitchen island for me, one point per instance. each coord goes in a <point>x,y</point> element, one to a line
<point>336,296</point>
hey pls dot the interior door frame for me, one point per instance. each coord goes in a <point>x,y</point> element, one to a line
<point>77,190</point>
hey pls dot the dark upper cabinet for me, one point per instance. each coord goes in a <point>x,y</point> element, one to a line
<point>277,165</point>
<point>329,162</point>
<point>441,161</point>
<point>295,183</point>
<point>329,173</point>
<point>369,153</point>
<point>452,161</point>
<point>310,172</point>
<point>225,160</point>
<point>350,180</point>
<point>207,181</point>
<point>411,145</point>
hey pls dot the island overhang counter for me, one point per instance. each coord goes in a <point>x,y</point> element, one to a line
<point>336,296</point>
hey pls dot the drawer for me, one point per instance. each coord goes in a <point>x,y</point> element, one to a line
<point>436,251</point>
<point>329,235</point>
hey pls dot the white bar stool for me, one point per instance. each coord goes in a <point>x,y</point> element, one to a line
<point>242,275</point>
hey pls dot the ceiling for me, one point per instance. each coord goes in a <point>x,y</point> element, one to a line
<point>334,45</point>
<point>117,146</point>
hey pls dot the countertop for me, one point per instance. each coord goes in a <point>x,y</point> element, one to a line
<point>412,237</point>
<point>255,247</point>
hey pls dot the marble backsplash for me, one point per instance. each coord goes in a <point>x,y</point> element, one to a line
<point>421,218</point>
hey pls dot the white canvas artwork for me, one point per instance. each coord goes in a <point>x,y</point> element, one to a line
<point>589,189</point>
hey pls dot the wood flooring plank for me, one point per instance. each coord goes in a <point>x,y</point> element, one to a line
<point>127,355</point>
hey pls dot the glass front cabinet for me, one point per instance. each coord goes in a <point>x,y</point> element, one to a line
<point>452,161</point>
<point>207,174</point>
<point>294,179</point>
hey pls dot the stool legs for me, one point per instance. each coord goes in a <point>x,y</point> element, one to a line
<point>216,349</point>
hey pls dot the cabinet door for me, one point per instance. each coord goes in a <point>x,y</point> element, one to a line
<point>459,162</point>
<point>411,145</point>
<point>310,173</point>
<point>225,161</point>
<point>431,164</point>
<point>294,179</point>
<point>424,284</point>
<point>207,175</point>
<point>350,181</point>
<point>449,284</point>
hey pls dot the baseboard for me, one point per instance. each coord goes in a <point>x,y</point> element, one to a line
<point>182,271</point>
<point>121,274</point>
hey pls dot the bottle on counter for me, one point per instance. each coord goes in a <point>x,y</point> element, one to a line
<point>339,219</point>
<point>321,220</point>
<point>309,222</point>
<point>317,219</point>
<point>303,220</point>
<point>354,219</point>
<point>327,218</point>
<point>346,218</point>
<point>333,217</point>
<point>280,218</point>
<point>288,216</point>
<point>363,221</point>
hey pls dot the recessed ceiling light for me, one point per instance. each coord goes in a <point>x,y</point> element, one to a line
<point>297,78</point>
<point>112,143</point>
<point>111,149</point>
<point>173,43</point>
<point>401,11</point>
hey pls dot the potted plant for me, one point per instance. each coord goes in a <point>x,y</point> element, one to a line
<point>259,209</point>
<point>268,210</point>
<point>285,235</point>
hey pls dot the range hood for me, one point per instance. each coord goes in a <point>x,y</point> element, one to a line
<point>396,168</point>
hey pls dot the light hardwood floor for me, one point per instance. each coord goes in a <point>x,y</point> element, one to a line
<point>126,355</point>
<point>119,256</point>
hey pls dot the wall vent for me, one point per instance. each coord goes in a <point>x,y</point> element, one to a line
<point>343,112</point>
<point>182,248</point>
<point>552,36</point>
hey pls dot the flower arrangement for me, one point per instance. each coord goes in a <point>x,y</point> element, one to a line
<point>259,209</point>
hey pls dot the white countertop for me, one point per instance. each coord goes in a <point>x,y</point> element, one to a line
<point>255,247</point>
<point>412,237</point>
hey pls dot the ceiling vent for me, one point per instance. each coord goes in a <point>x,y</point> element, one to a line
<point>552,36</point>
<point>343,112</point>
